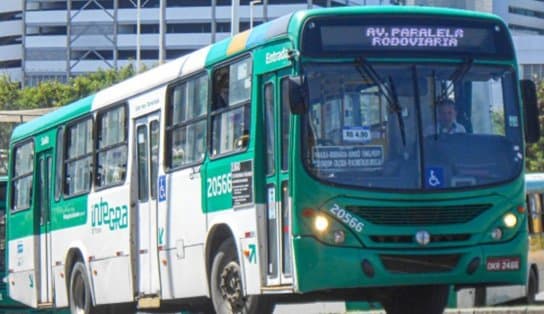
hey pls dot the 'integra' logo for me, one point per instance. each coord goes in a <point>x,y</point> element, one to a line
<point>115,217</point>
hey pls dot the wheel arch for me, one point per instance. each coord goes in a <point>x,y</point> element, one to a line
<point>74,255</point>
<point>217,235</point>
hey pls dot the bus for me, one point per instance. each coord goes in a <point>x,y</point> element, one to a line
<point>530,292</point>
<point>288,162</point>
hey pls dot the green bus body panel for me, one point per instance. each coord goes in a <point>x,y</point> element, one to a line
<point>272,57</point>
<point>69,213</point>
<point>63,114</point>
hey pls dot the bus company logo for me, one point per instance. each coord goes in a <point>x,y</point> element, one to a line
<point>423,237</point>
<point>115,217</point>
<point>276,56</point>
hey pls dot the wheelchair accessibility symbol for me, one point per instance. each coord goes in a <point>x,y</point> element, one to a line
<point>162,188</point>
<point>434,177</point>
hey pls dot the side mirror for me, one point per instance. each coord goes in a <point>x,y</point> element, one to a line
<point>530,110</point>
<point>296,90</point>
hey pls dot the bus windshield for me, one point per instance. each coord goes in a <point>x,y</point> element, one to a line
<point>412,125</point>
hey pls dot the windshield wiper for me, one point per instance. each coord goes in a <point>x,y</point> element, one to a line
<point>366,70</point>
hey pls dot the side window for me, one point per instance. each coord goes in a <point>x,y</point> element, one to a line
<point>111,147</point>
<point>230,110</point>
<point>58,175</point>
<point>23,169</point>
<point>186,122</point>
<point>78,157</point>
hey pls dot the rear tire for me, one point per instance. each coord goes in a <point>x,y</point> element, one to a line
<point>226,285</point>
<point>80,290</point>
<point>417,300</point>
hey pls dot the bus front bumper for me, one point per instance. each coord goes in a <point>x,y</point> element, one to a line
<point>321,267</point>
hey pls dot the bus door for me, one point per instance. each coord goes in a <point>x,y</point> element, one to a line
<point>278,218</point>
<point>43,193</point>
<point>147,150</point>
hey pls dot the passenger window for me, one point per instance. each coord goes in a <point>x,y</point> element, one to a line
<point>22,176</point>
<point>78,157</point>
<point>186,122</point>
<point>111,155</point>
<point>230,110</point>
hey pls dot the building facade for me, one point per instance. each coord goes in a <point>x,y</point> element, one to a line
<point>11,38</point>
<point>56,39</point>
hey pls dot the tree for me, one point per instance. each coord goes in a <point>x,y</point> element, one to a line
<point>52,94</point>
<point>535,152</point>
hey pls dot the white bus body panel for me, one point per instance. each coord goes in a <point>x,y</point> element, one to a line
<point>112,278</point>
<point>182,230</point>
<point>243,224</point>
<point>21,280</point>
<point>108,241</point>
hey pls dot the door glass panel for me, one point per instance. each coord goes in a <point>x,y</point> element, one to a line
<point>286,229</point>
<point>154,147</point>
<point>142,163</point>
<point>269,122</point>
<point>272,232</point>
<point>284,123</point>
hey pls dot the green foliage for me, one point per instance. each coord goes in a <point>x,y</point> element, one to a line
<point>51,94</point>
<point>535,152</point>
<point>54,93</point>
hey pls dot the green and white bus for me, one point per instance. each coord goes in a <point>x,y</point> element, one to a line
<point>288,162</point>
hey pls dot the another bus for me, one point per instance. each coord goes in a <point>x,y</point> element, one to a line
<point>288,162</point>
<point>530,292</point>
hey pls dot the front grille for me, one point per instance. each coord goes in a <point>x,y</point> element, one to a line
<point>408,216</point>
<point>418,264</point>
<point>439,238</point>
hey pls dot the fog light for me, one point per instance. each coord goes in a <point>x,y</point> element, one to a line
<point>321,223</point>
<point>339,236</point>
<point>496,234</point>
<point>510,220</point>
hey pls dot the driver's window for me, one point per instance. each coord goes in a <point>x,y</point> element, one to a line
<point>488,107</point>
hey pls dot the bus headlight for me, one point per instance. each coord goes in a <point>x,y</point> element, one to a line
<point>321,223</point>
<point>510,220</point>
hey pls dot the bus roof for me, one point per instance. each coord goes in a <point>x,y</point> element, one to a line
<point>286,26</point>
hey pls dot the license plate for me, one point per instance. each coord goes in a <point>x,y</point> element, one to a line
<point>502,263</point>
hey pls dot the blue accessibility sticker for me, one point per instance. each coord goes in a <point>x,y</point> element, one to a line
<point>162,188</point>
<point>434,177</point>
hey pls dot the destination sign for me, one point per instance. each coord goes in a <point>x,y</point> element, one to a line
<point>421,35</point>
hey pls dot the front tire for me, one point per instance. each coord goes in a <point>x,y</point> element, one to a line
<point>532,287</point>
<point>80,290</point>
<point>226,285</point>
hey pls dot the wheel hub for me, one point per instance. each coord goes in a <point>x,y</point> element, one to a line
<point>231,286</point>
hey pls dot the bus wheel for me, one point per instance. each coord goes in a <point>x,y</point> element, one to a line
<point>226,285</point>
<point>80,291</point>
<point>417,300</point>
<point>532,287</point>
